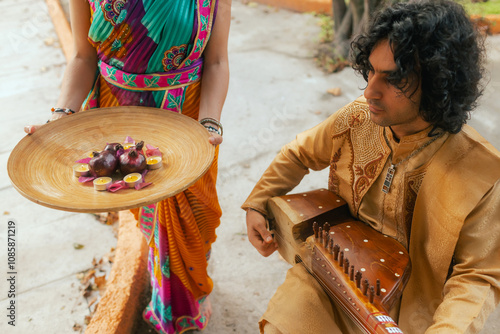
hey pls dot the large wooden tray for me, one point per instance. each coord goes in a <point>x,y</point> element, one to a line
<point>40,166</point>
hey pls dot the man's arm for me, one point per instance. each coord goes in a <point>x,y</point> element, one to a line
<point>473,290</point>
<point>310,150</point>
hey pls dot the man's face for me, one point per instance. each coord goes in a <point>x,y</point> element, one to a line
<point>389,106</point>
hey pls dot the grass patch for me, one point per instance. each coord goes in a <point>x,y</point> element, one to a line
<point>481,8</point>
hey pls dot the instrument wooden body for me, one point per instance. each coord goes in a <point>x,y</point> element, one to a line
<point>361,269</point>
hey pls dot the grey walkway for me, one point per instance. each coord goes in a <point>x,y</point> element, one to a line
<point>275,92</point>
<point>48,298</point>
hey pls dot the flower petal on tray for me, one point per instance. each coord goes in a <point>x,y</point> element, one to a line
<point>84,179</point>
<point>141,185</point>
<point>83,161</point>
<point>152,151</point>
<point>117,186</point>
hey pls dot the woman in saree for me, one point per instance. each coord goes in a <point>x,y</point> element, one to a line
<point>169,54</point>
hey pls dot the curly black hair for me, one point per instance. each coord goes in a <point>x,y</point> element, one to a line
<point>436,41</point>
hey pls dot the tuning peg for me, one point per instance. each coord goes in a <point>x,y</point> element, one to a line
<point>336,252</point>
<point>326,239</point>
<point>320,234</point>
<point>358,279</point>
<point>326,227</point>
<point>346,265</point>
<point>378,287</point>
<point>315,229</point>
<point>372,294</point>
<point>330,247</point>
<point>351,276</point>
<point>365,286</point>
<point>341,259</point>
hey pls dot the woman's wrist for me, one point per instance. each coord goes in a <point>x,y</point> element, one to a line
<point>66,111</point>
<point>212,125</point>
<point>60,112</point>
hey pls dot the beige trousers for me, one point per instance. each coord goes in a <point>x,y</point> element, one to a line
<point>300,306</point>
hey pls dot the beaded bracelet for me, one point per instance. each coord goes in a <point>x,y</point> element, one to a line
<point>214,122</point>
<point>212,129</point>
<point>67,111</point>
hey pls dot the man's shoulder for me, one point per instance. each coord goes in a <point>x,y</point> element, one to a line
<point>469,134</point>
<point>468,153</point>
<point>353,115</point>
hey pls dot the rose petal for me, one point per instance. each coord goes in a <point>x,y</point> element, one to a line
<point>117,186</point>
<point>141,185</point>
<point>144,172</point>
<point>129,140</point>
<point>153,152</point>
<point>83,161</point>
<point>84,179</point>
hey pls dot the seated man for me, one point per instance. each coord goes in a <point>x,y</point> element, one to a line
<point>422,62</point>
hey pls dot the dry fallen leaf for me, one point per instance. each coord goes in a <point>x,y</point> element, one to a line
<point>335,91</point>
<point>88,275</point>
<point>100,281</point>
<point>49,41</point>
<point>77,327</point>
<point>78,246</point>
<point>92,301</point>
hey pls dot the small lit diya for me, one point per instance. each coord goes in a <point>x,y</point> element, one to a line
<point>153,162</point>
<point>81,169</point>
<point>126,146</point>
<point>102,183</point>
<point>132,179</point>
<point>90,154</point>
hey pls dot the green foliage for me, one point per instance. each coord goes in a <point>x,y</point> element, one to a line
<point>325,22</point>
<point>480,7</point>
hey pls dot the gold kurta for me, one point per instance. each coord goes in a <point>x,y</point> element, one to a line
<point>444,203</point>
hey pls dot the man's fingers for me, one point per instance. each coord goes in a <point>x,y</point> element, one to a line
<point>258,235</point>
<point>267,249</point>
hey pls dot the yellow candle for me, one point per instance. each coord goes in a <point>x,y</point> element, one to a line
<point>80,170</point>
<point>153,162</point>
<point>132,179</point>
<point>102,183</point>
<point>127,145</point>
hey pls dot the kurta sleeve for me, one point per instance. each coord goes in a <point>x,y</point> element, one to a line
<point>310,150</point>
<point>473,290</point>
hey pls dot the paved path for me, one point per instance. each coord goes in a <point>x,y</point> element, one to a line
<point>47,299</point>
<point>275,92</point>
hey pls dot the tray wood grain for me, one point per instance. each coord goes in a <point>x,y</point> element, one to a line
<point>40,166</point>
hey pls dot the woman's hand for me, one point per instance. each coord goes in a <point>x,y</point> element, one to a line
<point>215,139</point>
<point>258,235</point>
<point>30,129</point>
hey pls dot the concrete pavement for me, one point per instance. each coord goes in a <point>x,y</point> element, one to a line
<point>275,92</point>
<point>47,290</point>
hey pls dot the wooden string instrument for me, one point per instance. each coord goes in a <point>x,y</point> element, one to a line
<point>361,269</point>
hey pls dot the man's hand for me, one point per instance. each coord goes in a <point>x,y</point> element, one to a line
<point>258,235</point>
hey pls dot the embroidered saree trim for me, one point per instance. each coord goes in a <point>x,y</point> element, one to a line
<point>147,221</point>
<point>206,14</point>
<point>152,82</point>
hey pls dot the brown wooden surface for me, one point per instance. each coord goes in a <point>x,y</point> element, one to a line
<point>295,213</point>
<point>40,165</point>
<point>376,256</point>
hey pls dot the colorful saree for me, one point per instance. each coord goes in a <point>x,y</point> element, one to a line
<point>150,54</point>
